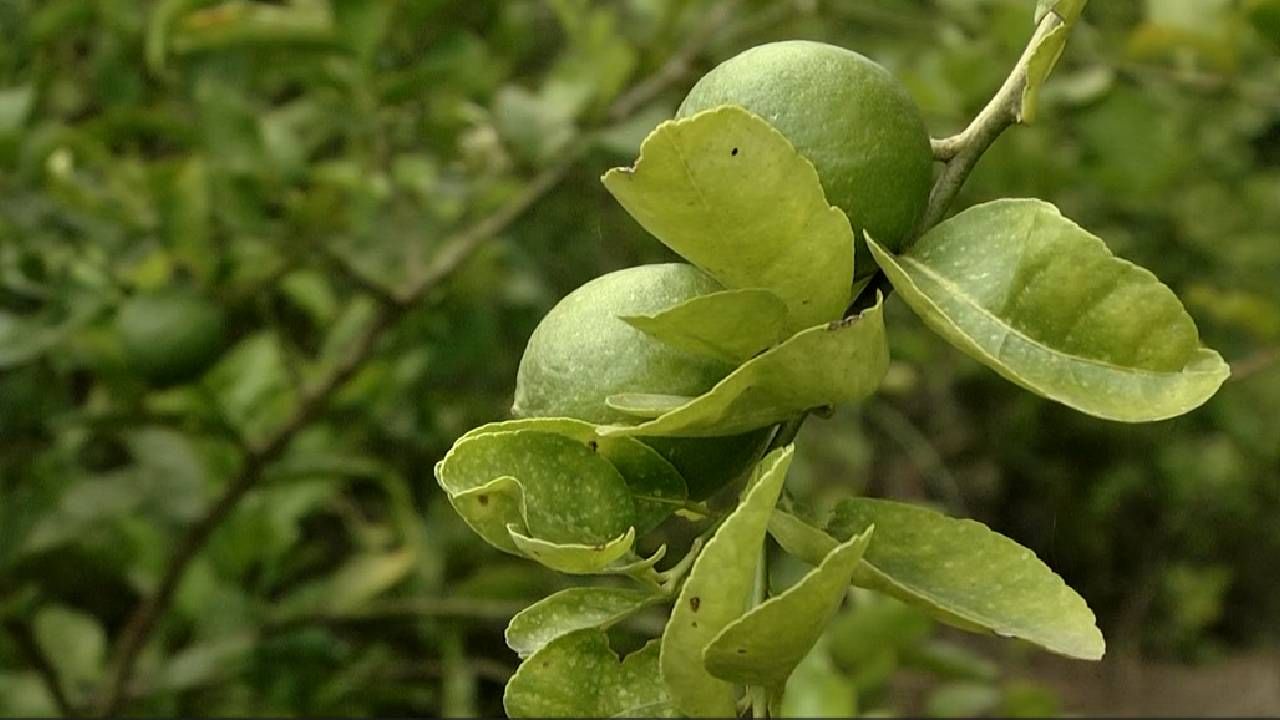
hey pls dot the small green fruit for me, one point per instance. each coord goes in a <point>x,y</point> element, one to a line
<point>581,353</point>
<point>170,336</point>
<point>849,116</point>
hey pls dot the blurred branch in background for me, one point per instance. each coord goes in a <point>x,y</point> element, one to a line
<point>452,255</point>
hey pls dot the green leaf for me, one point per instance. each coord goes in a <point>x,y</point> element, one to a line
<point>574,559</point>
<point>73,641</point>
<point>646,405</point>
<point>818,690</point>
<point>657,488</point>
<point>764,646</point>
<point>570,494</point>
<point>800,539</point>
<point>570,610</point>
<point>825,365</point>
<point>578,675</point>
<point>491,509</point>
<point>1045,304</point>
<point>732,325</point>
<point>730,193</point>
<point>964,569</point>
<point>1048,51</point>
<point>716,593</point>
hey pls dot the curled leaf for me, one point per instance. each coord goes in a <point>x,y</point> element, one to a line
<point>1045,304</point>
<point>570,610</point>
<point>1047,52</point>
<point>572,558</point>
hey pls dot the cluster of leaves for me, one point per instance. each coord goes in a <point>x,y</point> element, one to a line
<point>294,161</point>
<point>1012,283</point>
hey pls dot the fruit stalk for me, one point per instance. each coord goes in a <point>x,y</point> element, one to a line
<point>960,153</point>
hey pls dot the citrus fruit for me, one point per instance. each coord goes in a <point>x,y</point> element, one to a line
<point>581,353</point>
<point>848,115</point>
<point>170,336</point>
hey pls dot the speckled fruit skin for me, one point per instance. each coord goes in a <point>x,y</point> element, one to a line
<point>170,336</point>
<point>852,119</point>
<point>581,353</point>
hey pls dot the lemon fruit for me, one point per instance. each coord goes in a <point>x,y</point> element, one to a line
<point>581,353</point>
<point>849,116</point>
<point>170,336</point>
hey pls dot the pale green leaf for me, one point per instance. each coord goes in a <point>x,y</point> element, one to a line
<point>578,675</point>
<point>657,488</point>
<point>764,646</point>
<point>573,558</point>
<point>826,365</point>
<point>1045,304</point>
<point>490,509</point>
<point>571,610</point>
<point>646,405</point>
<point>716,593</point>
<point>730,193</point>
<point>810,544</point>
<point>74,643</point>
<point>967,570</point>
<point>571,494</point>
<point>732,325</point>
<point>1047,52</point>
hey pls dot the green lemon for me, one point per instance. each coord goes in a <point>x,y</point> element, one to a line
<point>170,336</point>
<point>849,116</point>
<point>581,353</point>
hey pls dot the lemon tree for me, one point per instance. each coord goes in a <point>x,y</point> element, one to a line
<point>650,389</point>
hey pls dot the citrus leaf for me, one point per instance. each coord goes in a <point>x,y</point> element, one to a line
<point>657,488</point>
<point>970,571</point>
<point>645,405</point>
<point>571,610</point>
<point>731,194</point>
<point>825,365</point>
<point>1045,304</point>
<point>800,539</point>
<point>764,646</point>
<point>716,593</point>
<point>570,493</point>
<point>1047,52</point>
<point>578,675</point>
<point>732,325</point>
<point>818,690</point>
<point>490,509</point>
<point>570,558</point>
<point>810,544</point>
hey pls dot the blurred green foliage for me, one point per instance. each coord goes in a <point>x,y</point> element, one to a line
<point>293,162</point>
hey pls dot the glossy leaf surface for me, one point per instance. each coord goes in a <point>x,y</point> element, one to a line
<point>1045,304</point>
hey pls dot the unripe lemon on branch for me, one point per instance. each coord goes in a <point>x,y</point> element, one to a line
<point>582,352</point>
<point>848,115</point>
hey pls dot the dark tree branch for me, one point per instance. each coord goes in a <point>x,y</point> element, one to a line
<point>27,645</point>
